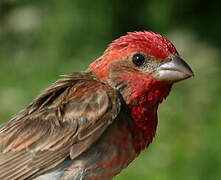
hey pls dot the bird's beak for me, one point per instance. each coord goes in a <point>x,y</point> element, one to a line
<point>174,70</point>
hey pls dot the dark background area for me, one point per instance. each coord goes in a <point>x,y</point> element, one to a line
<point>41,39</point>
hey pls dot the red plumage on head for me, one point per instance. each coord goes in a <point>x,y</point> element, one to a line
<point>147,42</point>
<point>143,41</point>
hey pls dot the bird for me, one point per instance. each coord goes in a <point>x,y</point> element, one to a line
<point>91,125</point>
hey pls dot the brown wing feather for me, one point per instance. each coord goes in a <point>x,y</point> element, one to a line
<point>63,121</point>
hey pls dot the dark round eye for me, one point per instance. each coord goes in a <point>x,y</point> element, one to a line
<point>138,59</point>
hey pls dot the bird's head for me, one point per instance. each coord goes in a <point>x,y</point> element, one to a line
<point>142,60</point>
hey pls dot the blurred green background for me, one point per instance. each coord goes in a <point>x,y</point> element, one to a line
<point>41,39</point>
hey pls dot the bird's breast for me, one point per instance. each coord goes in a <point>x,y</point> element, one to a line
<point>145,124</point>
<point>108,156</point>
<point>120,144</point>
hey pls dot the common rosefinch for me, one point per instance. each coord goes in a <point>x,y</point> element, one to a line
<point>91,125</point>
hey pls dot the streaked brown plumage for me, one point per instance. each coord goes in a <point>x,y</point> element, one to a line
<point>65,119</point>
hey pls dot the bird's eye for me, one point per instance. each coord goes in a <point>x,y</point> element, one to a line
<point>138,59</point>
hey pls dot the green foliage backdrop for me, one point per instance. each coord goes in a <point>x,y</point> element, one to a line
<point>41,39</point>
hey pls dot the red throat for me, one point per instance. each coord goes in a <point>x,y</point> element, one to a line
<point>146,94</point>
